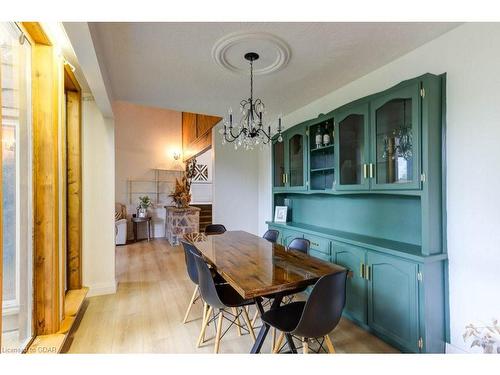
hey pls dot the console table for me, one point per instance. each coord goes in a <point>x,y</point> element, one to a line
<point>136,220</point>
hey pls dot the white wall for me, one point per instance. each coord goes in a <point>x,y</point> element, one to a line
<point>98,197</point>
<point>235,186</point>
<point>470,55</point>
<point>146,138</point>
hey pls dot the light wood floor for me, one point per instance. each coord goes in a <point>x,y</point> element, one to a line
<point>145,315</point>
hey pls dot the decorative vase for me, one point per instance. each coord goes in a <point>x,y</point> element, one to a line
<point>142,212</point>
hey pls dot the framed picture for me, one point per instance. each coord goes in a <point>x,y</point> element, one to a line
<point>280,214</point>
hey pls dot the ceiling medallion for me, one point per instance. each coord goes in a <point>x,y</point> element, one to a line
<point>273,51</point>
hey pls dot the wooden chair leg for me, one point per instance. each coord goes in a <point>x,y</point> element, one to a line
<point>195,293</point>
<point>238,323</point>
<point>273,341</point>
<point>305,346</point>
<point>219,330</point>
<point>279,342</point>
<point>329,345</point>
<point>204,327</point>
<point>256,315</point>
<point>205,310</point>
<point>248,323</point>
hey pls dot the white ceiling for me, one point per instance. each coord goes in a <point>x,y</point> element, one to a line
<point>170,65</point>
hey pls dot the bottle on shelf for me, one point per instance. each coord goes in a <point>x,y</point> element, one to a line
<point>326,136</point>
<point>319,138</point>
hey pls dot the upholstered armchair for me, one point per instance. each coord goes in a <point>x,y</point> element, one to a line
<point>120,224</point>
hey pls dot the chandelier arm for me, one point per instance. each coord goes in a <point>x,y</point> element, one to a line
<point>268,136</point>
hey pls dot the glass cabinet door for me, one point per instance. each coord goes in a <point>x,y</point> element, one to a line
<point>296,158</point>
<point>351,141</point>
<point>279,164</point>
<point>395,132</point>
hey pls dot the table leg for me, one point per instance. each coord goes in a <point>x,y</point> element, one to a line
<point>135,232</point>
<point>149,229</point>
<point>265,328</point>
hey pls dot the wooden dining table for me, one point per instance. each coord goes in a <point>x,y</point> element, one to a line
<point>256,268</point>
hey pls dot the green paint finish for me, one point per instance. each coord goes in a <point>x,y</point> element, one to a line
<point>395,218</point>
<point>393,303</point>
<point>393,299</point>
<point>394,111</point>
<point>319,255</point>
<point>352,142</point>
<point>393,221</point>
<point>289,236</point>
<point>296,150</point>
<point>319,244</point>
<point>352,258</point>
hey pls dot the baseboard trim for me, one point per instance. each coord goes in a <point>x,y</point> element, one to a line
<point>101,289</point>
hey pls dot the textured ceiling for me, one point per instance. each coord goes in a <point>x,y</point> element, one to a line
<point>170,65</point>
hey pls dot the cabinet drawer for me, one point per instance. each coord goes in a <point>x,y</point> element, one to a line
<point>319,243</point>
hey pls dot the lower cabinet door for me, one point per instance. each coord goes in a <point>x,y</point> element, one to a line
<point>393,299</point>
<point>351,257</point>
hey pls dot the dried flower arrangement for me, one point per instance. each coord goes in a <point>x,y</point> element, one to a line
<point>486,337</point>
<point>182,192</point>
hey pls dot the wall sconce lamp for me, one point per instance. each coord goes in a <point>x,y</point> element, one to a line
<point>177,155</point>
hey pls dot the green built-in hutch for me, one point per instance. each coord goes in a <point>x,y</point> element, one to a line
<point>372,200</point>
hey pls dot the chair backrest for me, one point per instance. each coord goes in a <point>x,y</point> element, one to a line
<point>215,229</point>
<point>206,282</point>
<point>192,270</point>
<point>271,235</point>
<point>300,244</point>
<point>324,307</point>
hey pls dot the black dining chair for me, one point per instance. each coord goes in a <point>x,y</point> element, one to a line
<point>220,298</point>
<point>215,229</point>
<point>192,271</point>
<point>271,235</point>
<point>327,300</point>
<point>300,244</point>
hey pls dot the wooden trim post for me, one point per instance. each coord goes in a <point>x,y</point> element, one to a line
<point>74,190</point>
<point>46,109</point>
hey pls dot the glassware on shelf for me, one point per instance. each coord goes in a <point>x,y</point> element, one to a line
<point>319,138</point>
<point>326,136</point>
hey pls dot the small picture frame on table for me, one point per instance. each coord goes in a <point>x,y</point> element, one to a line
<point>280,214</point>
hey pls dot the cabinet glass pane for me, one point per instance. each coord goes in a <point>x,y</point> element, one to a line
<point>351,149</point>
<point>394,149</point>
<point>296,160</point>
<point>279,164</point>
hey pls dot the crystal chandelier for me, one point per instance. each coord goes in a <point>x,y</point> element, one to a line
<point>249,132</point>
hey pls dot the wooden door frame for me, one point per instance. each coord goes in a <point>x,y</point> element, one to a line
<point>74,180</point>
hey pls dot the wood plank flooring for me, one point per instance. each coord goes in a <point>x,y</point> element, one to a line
<point>145,315</point>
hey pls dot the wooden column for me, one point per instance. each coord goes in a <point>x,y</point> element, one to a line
<point>46,109</point>
<point>74,191</point>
